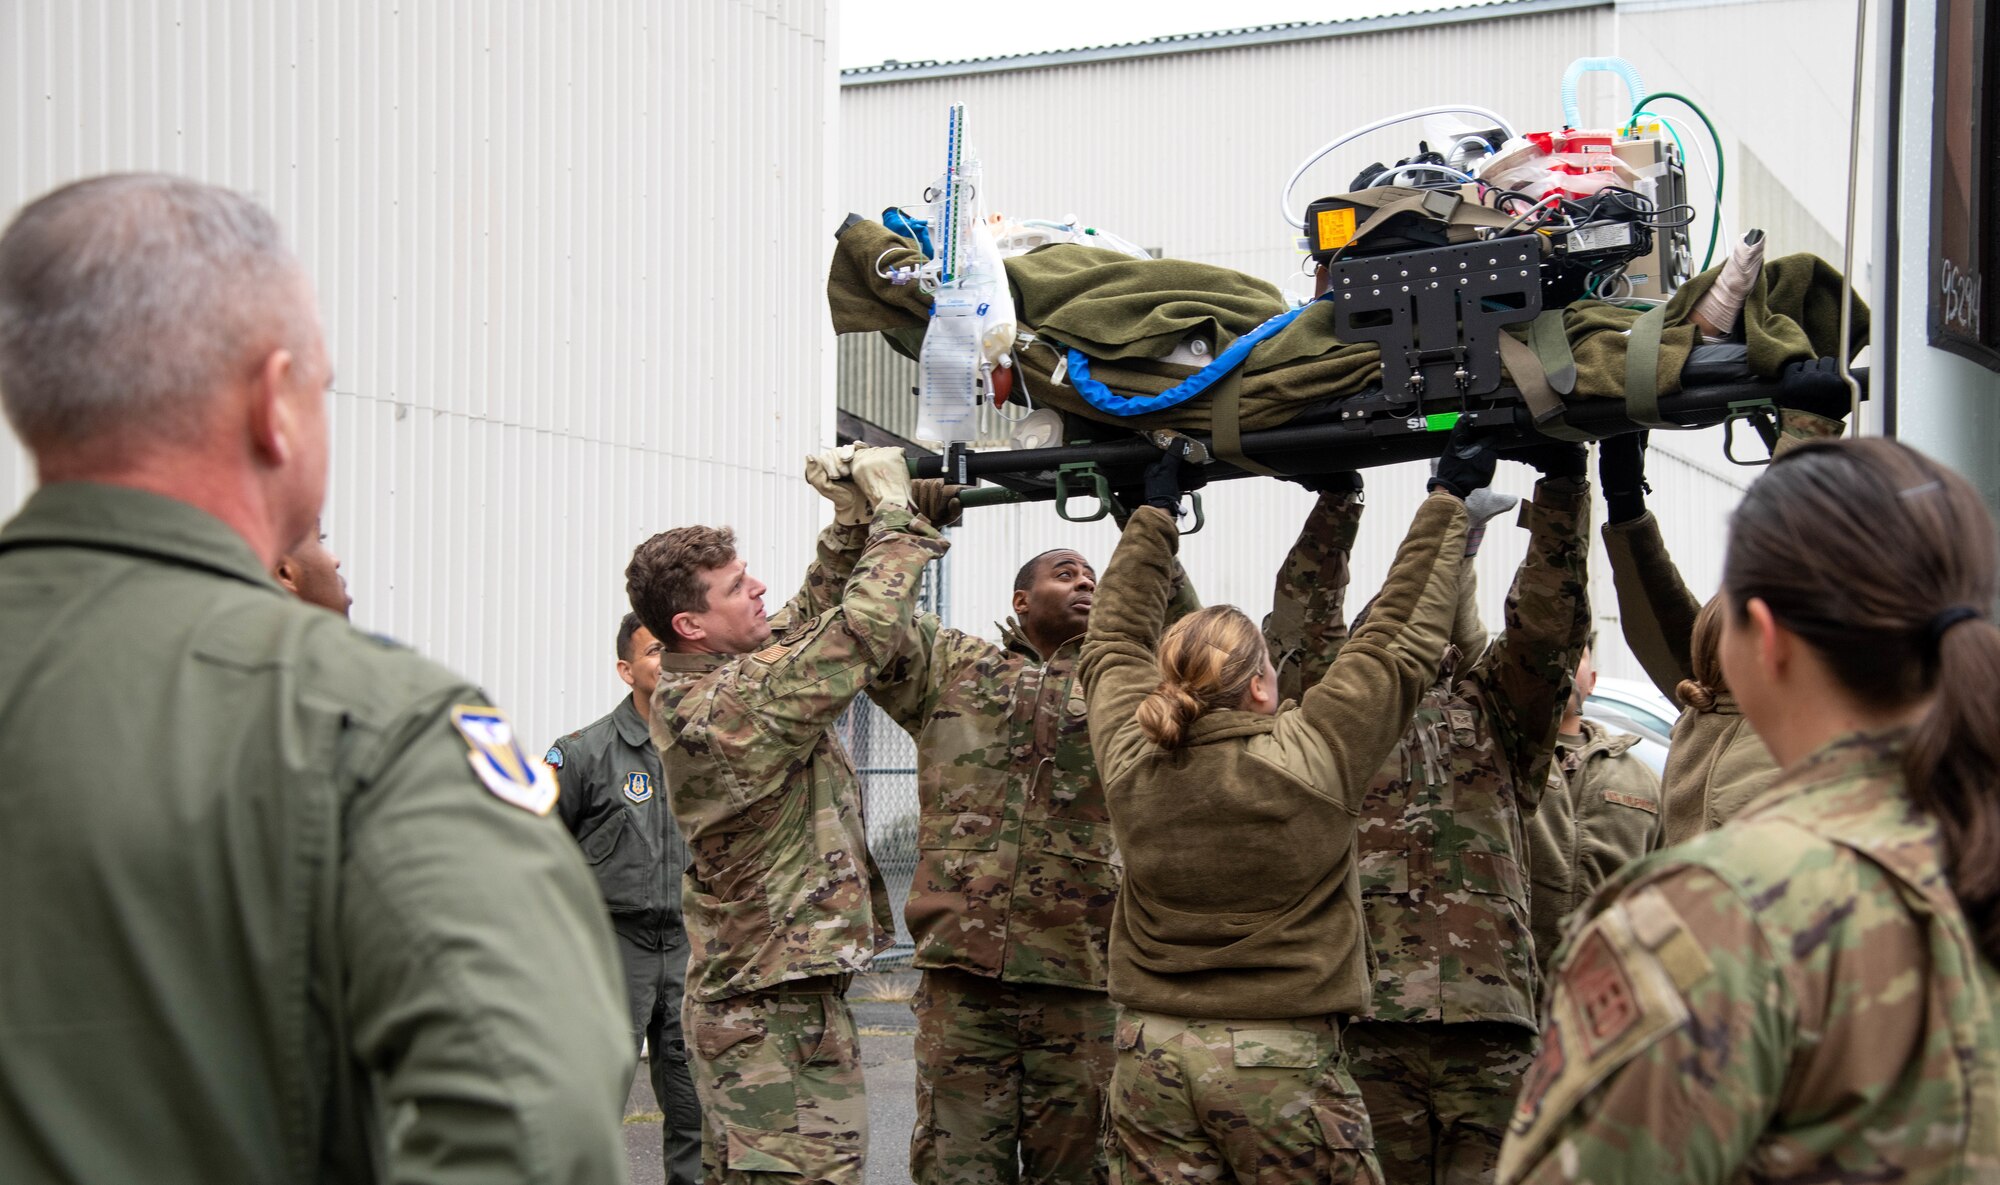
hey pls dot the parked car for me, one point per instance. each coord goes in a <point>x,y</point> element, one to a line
<point>1627,705</point>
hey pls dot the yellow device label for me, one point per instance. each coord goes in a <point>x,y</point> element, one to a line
<point>1336,227</point>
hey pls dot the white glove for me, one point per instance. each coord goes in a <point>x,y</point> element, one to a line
<point>883,476</point>
<point>825,471</point>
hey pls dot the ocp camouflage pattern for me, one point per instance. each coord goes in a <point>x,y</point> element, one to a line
<point>1796,997</point>
<point>781,884</point>
<point>1440,844</point>
<point>781,1085</point>
<point>1011,1082</point>
<point>1016,870</point>
<point>1307,624</point>
<point>1250,1101</point>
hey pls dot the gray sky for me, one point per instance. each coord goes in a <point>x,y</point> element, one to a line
<point>874,30</point>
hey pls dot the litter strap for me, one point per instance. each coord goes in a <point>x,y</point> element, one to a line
<point>1642,369</point>
<point>1106,400</point>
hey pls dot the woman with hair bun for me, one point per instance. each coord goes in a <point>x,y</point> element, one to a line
<point>1809,992</point>
<point>1237,948</point>
<point>1715,765</point>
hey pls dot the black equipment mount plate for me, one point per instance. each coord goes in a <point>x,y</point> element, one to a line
<point>1429,311</point>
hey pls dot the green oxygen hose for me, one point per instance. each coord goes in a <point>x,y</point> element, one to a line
<point>1715,221</point>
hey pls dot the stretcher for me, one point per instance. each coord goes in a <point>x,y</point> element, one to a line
<point>1394,367</point>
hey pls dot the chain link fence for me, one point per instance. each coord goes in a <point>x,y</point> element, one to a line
<point>885,759</point>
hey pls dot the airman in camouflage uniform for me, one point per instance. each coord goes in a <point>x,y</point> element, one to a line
<point>1440,850</point>
<point>1600,812</point>
<point>1796,997</point>
<point>1011,900</point>
<point>782,901</point>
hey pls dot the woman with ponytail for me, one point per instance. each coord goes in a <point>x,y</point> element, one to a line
<point>1809,992</point>
<point>1715,765</point>
<point>1237,948</point>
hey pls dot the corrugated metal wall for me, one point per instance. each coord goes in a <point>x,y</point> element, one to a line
<point>550,241</point>
<point>1187,152</point>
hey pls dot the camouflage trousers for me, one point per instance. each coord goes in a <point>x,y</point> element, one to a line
<point>1265,1102</point>
<point>1440,1095</point>
<point>779,1077</point>
<point>1010,1082</point>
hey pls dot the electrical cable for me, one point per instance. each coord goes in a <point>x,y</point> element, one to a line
<point>1715,223</point>
<point>1285,196</point>
<point>1675,125</point>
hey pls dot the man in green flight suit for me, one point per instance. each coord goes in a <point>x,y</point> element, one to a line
<point>782,901</point>
<point>614,802</point>
<point>303,917</point>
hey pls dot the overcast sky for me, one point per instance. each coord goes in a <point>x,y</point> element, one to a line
<point>872,31</point>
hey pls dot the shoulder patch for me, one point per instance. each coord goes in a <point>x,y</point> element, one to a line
<point>553,758</point>
<point>1632,800</point>
<point>498,760</point>
<point>1614,997</point>
<point>771,654</point>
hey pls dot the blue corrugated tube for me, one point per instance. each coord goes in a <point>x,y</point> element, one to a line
<point>1572,116</point>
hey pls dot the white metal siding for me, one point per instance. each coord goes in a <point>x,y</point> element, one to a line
<point>551,242</point>
<point>1187,151</point>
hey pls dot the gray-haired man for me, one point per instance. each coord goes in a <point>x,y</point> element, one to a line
<point>300,917</point>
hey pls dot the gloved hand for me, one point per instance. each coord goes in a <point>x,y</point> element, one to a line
<point>1621,471</point>
<point>883,476</point>
<point>824,471</point>
<point>1814,384</point>
<point>1467,463</point>
<point>1170,476</point>
<point>1338,485</point>
<point>1555,458</point>
<point>937,501</point>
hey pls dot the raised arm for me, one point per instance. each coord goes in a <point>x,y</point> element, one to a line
<point>790,692</point>
<point>1526,672</point>
<point>1307,624</point>
<point>1357,712</point>
<point>1118,668</point>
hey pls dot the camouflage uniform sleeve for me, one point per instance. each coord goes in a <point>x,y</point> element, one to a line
<point>1526,672</point>
<point>484,992</point>
<point>834,557</point>
<point>1117,667</point>
<point>1307,624</point>
<point>1655,608</point>
<point>909,687</point>
<point>1797,427</point>
<point>1667,1041</point>
<point>786,695</point>
<point>1354,716</point>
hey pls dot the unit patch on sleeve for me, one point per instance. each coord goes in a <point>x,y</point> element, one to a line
<point>553,757</point>
<point>638,786</point>
<point>498,760</point>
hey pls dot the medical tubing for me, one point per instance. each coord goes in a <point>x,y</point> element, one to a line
<point>1572,115</point>
<point>1715,223</point>
<point>1673,122</point>
<point>1285,197</point>
<point>1111,402</point>
<point>1389,175</point>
